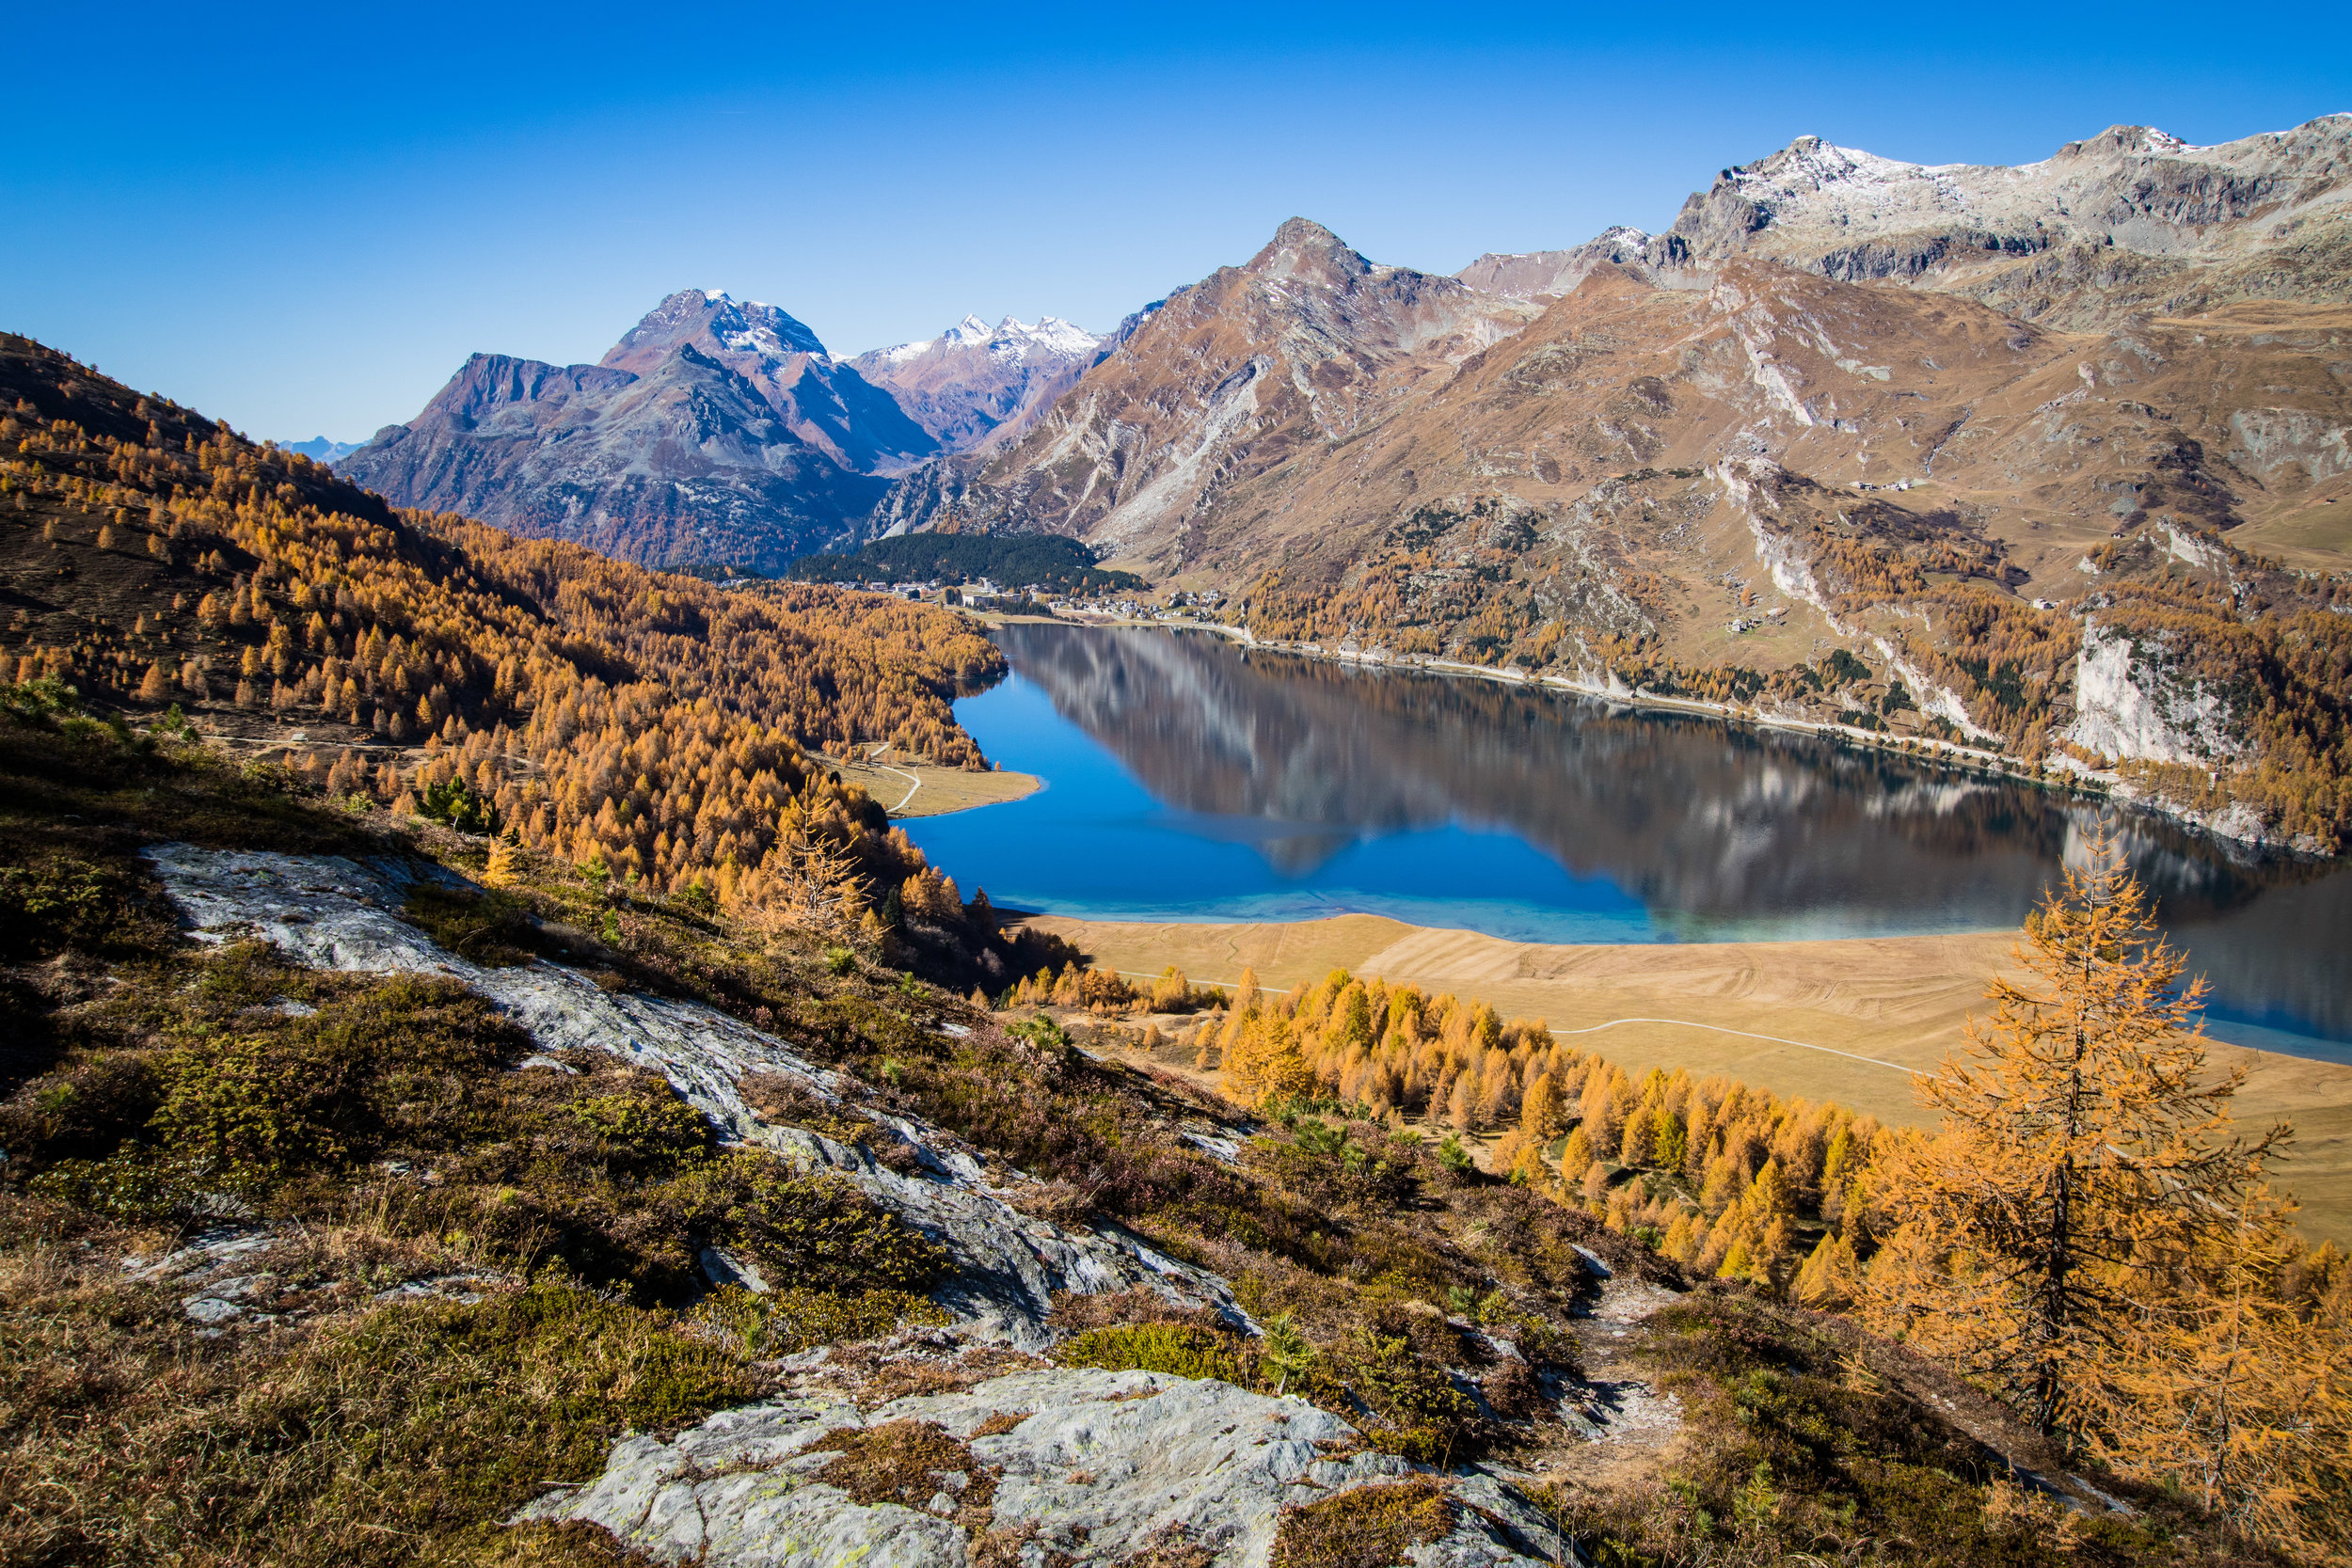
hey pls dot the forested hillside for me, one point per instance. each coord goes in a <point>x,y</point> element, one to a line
<point>656,726</point>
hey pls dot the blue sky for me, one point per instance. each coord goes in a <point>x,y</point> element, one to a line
<point>302,219</point>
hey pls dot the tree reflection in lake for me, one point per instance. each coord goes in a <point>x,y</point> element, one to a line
<point>1279,785</point>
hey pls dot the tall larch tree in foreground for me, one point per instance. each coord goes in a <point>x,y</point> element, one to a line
<point>2087,1234</point>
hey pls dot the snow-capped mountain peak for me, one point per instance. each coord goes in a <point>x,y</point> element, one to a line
<point>971,332</point>
<point>1054,333</point>
<point>1011,337</point>
<point>973,380</point>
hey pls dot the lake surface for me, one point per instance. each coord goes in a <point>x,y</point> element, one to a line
<point>1189,778</point>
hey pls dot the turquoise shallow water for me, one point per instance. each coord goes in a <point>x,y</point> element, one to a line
<point>1188,779</point>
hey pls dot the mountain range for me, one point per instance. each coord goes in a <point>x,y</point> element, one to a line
<point>1849,315</point>
<point>717,429</point>
<point>721,429</point>
<point>1933,418</point>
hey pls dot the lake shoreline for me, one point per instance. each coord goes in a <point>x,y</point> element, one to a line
<point>2080,783</point>
<point>1851,1018</point>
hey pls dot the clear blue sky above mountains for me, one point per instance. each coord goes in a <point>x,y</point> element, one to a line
<point>303,218</point>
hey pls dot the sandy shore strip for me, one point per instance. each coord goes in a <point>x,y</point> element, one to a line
<point>1850,1020</point>
<point>918,789</point>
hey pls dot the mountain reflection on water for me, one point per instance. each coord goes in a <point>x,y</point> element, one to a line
<point>1273,786</point>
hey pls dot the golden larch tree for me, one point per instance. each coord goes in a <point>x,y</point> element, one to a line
<point>2085,1157</point>
<point>2087,1234</point>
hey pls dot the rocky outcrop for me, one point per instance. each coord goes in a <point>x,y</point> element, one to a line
<point>2133,702</point>
<point>335,913</point>
<point>1105,1465</point>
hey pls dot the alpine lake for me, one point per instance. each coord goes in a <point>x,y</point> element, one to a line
<point>1189,778</point>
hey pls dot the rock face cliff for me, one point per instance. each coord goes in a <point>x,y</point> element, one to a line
<point>1843,403</point>
<point>716,430</point>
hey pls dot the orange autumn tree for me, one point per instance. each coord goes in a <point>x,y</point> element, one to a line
<point>2083,1159</point>
<point>2229,1394</point>
<point>2089,1236</point>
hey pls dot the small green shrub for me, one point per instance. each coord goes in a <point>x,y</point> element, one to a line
<point>1366,1526</point>
<point>1417,1411</point>
<point>783,1323</point>
<point>1326,1164</point>
<point>134,1184</point>
<point>455,802</point>
<point>813,1228</point>
<point>1284,1355</point>
<point>1179,1350</point>
<point>646,1128</point>
<point>40,701</point>
<point>60,901</point>
<point>252,1107</point>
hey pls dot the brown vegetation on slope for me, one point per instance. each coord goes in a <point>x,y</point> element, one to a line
<point>651,726</point>
<point>366,1410</point>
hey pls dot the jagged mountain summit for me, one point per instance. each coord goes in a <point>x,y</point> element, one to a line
<point>977,386</point>
<point>716,430</point>
<point>1948,420</point>
<point>2130,220</point>
<point>1305,345</point>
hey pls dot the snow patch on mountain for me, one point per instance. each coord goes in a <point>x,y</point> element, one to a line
<point>1011,337</point>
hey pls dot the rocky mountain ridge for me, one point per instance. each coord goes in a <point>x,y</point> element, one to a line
<point>716,430</point>
<point>1844,405</point>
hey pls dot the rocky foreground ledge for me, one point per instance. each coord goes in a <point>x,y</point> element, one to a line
<point>335,913</point>
<point>1041,1466</point>
<point>1037,1466</point>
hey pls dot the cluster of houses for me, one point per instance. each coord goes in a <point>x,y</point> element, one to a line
<point>1192,604</point>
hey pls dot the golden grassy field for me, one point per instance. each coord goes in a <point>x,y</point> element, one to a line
<point>1851,1021</point>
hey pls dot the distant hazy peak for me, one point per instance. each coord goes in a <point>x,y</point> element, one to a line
<point>741,327</point>
<point>1304,251</point>
<point>1009,339</point>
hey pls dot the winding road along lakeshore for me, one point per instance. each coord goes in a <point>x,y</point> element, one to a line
<point>1851,1021</point>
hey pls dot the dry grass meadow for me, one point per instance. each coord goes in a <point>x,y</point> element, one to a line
<point>1852,1020</point>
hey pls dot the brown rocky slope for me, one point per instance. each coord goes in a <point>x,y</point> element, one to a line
<point>2006,492</point>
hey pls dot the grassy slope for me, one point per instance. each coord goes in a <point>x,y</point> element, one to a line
<point>354,1430</point>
